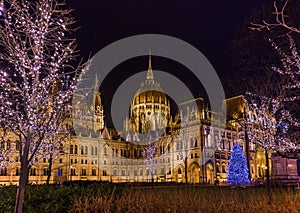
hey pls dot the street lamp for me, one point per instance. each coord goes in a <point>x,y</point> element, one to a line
<point>199,174</point>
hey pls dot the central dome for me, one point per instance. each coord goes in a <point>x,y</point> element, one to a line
<point>150,108</point>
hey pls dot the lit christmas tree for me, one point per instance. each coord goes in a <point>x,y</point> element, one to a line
<point>237,168</point>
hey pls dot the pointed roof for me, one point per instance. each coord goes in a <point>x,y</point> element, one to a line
<point>150,72</point>
<point>149,84</point>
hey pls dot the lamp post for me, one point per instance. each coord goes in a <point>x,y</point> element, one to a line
<point>71,174</point>
<point>199,174</point>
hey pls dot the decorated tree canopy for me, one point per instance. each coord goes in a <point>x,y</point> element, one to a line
<point>237,168</point>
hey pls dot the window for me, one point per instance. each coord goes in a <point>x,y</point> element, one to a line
<point>86,150</point>
<point>123,172</point>
<point>32,172</point>
<point>94,172</point>
<point>179,171</point>
<point>73,172</point>
<point>82,152</point>
<point>104,172</point>
<point>135,153</point>
<point>83,172</point>
<point>45,171</point>
<point>115,173</point>
<point>60,160</point>
<point>218,167</point>
<point>105,151</point>
<point>96,151</point>
<point>223,168</point>
<point>92,150</point>
<point>44,160</point>
<point>141,172</point>
<point>75,150</point>
<point>135,173</point>
<point>71,149</point>
<point>3,172</point>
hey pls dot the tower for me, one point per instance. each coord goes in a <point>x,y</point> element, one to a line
<point>150,108</point>
<point>98,110</point>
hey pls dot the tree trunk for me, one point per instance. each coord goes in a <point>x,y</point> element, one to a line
<point>21,188</point>
<point>49,169</point>
<point>152,183</point>
<point>267,168</point>
<point>185,170</point>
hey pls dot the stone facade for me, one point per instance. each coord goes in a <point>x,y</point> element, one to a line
<point>95,152</point>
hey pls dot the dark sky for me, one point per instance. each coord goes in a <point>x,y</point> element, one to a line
<point>210,26</point>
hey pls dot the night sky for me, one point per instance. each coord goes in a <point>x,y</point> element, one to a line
<point>210,26</point>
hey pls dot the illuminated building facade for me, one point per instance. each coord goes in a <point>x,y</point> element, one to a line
<point>98,153</point>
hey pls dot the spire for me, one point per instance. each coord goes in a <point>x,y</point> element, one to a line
<point>150,73</point>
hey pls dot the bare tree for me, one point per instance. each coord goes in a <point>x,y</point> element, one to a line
<point>150,154</point>
<point>35,88</point>
<point>280,21</point>
<point>288,68</point>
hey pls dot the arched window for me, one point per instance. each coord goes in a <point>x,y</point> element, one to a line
<point>223,168</point>
<point>105,151</point>
<point>3,171</point>
<point>179,171</point>
<point>32,172</point>
<point>71,149</point>
<point>92,150</point>
<point>96,151</point>
<point>75,150</point>
<point>45,171</point>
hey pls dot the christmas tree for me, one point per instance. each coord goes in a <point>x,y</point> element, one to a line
<point>237,168</point>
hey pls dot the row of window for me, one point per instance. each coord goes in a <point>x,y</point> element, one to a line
<point>84,150</point>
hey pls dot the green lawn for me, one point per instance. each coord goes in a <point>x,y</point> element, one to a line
<point>106,197</point>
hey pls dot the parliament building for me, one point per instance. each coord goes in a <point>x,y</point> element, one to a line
<point>95,152</point>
